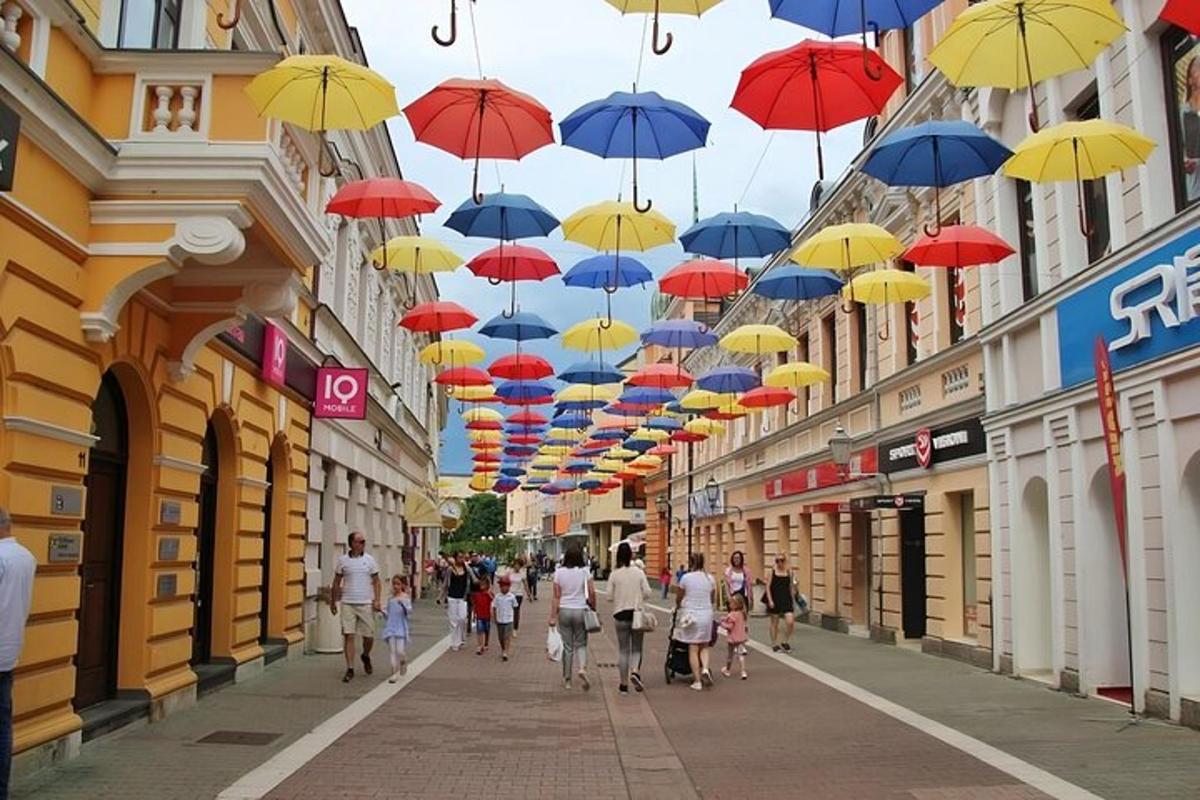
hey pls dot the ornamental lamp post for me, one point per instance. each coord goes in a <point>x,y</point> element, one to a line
<point>840,445</point>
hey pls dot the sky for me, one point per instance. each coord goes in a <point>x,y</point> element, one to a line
<point>565,54</point>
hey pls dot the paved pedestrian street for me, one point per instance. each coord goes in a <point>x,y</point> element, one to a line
<point>839,718</point>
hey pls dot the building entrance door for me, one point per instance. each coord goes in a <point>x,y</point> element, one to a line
<point>912,573</point>
<point>860,568</point>
<point>206,546</point>
<point>264,611</point>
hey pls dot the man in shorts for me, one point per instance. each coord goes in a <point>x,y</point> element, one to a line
<point>356,584</point>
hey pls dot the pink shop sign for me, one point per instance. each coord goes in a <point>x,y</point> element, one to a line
<point>274,355</point>
<point>341,393</point>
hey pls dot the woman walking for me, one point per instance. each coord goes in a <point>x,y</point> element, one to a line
<point>629,589</point>
<point>574,595</point>
<point>694,599</point>
<point>738,581</point>
<point>516,576</point>
<point>780,605</point>
<point>454,592</point>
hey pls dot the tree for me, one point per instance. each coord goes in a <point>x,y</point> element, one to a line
<point>483,515</point>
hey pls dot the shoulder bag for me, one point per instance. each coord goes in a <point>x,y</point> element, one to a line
<point>591,620</point>
<point>644,620</point>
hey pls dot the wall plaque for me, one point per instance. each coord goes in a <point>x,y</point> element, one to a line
<point>168,548</point>
<point>170,512</point>
<point>64,548</point>
<point>165,585</point>
<point>66,501</point>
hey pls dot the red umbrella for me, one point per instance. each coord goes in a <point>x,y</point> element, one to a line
<point>463,376</point>
<point>526,417</point>
<point>528,401</point>
<point>766,397</point>
<point>703,278</point>
<point>958,246</point>
<point>521,367</point>
<point>610,484</point>
<point>382,197</point>
<point>484,425</point>
<point>488,469</point>
<point>661,450</point>
<point>515,263</point>
<point>485,447</point>
<point>662,376</point>
<point>485,458</point>
<point>438,317</point>
<point>815,86</point>
<point>687,437</point>
<point>1184,13</point>
<point>480,119</point>
<point>524,438</point>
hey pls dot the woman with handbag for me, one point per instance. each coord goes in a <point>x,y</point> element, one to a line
<point>738,580</point>
<point>629,589</point>
<point>779,598</point>
<point>572,610</point>
<point>694,597</point>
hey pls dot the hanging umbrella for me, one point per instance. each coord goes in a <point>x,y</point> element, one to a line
<point>656,7</point>
<point>725,381</point>
<point>1184,13</point>
<point>585,397</point>
<point>727,411</point>
<point>484,436</point>
<point>503,216</point>
<point>520,327</point>
<point>593,335</point>
<point>463,376</point>
<point>663,424</point>
<point>505,485</point>
<point>737,235</point>
<point>525,418</point>
<point>480,119</point>
<point>795,375</point>
<point>1012,44</point>
<point>322,93</point>
<point>485,458</point>
<point>474,394</point>
<point>571,421</point>
<point>527,440</point>
<point>706,427</point>
<point>847,246</point>
<point>646,396</point>
<point>766,397</point>
<point>687,437</point>
<point>703,278</point>
<point>837,18</point>
<point>938,153</point>
<point>652,434</point>
<point>514,390</point>
<point>439,317</point>
<point>958,246</point>
<point>483,425</point>
<point>702,399</point>
<point>758,339</point>
<point>815,86</point>
<point>629,124</point>
<point>678,333</point>
<point>521,367</point>
<point>418,255</point>
<point>482,415</point>
<point>592,373</point>
<point>455,352</point>
<point>517,263</point>
<point>663,376</point>
<point>512,470</point>
<point>382,198</point>
<point>607,434</point>
<point>518,450</point>
<point>883,286</point>
<point>608,272</point>
<point>790,282</point>
<point>1085,150</point>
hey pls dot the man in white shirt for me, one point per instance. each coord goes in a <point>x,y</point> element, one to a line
<point>356,584</point>
<point>17,566</point>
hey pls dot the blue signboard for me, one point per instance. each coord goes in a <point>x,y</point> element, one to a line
<point>1144,310</point>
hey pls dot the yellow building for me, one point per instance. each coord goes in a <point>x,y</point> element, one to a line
<point>154,245</point>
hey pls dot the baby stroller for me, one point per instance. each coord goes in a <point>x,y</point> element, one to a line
<point>677,654</point>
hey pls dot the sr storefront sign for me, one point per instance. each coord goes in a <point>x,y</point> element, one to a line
<point>929,446</point>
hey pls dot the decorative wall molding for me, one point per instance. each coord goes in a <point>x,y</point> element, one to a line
<point>183,465</point>
<point>49,430</point>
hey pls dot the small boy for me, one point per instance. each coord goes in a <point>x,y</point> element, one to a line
<point>504,606</point>
<point>482,604</point>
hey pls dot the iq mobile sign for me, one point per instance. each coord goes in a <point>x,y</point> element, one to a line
<point>341,393</point>
<point>274,355</point>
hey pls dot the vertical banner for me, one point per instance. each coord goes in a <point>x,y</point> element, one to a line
<point>1107,394</point>
<point>341,393</point>
<point>274,355</point>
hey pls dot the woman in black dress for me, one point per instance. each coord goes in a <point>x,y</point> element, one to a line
<point>780,605</point>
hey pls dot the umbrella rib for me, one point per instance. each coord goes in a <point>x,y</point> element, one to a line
<point>1041,19</point>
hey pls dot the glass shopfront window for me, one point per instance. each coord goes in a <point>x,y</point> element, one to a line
<point>1183,95</point>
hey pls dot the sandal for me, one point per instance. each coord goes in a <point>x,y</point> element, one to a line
<point>348,676</point>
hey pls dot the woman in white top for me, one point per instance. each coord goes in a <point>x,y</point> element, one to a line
<point>694,599</point>
<point>629,589</point>
<point>574,594</point>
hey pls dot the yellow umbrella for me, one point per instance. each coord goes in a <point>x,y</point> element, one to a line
<point>884,286</point>
<point>599,334</point>
<point>645,463</point>
<point>482,415</point>
<point>846,246</point>
<point>693,7</point>
<point>702,400</point>
<point>622,453</point>
<point>1014,43</point>
<point>614,225</point>
<point>1084,150</point>
<point>473,394</point>
<point>418,254</point>
<point>581,392</point>
<point>453,352</point>
<point>554,450</point>
<point>651,435</point>
<point>732,408</point>
<point>795,375</point>
<point>485,436</point>
<point>704,427</point>
<point>758,339</point>
<point>481,482</point>
<point>607,465</point>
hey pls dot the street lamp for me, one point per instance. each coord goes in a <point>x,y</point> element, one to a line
<point>712,491</point>
<point>840,445</point>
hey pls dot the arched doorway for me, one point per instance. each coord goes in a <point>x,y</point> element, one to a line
<point>1105,660</point>
<point>1186,557</point>
<point>1033,647</point>
<point>103,540</point>
<point>206,550</point>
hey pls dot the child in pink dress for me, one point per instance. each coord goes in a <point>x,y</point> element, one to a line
<point>735,627</point>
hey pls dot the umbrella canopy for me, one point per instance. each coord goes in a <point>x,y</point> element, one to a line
<point>417,254</point>
<point>519,327</point>
<point>482,415</point>
<point>737,235</point>
<point>766,397</point>
<point>651,434</point>
<point>726,380</point>
<point>608,272</point>
<point>662,376</point>
<point>795,375</point>
<point>454,352</point>
<point>438,317</point>
<point>506,485</point>
<point>463,376</point>
<point>484,436</point>
<point>958,246</point>
<point>597,334</point>
<point>519,450</point>
<point>502,216</point>
<point>524,440</point>
<point>485,446</point>
<point>663,424</point>
<point>323,93</point>
<point>571,421</point>
<point>815,86</point>
<point>474,394</point>
<point>526,418</point>
<point>646,396</point>
<point>632,124</point>
<point>705,427</point>
<point>521,367</point>
<point>483,425</point>
<point>522,390</point>
<point>485,458</point>
<point>592,373</point>
<point>703,399</point>
<point>511,264</point>
<point>577,467</point>
<point>789,282</point>
<point>693,7</point>
<point>837,18</point>
<point>480,119</point>
<point>382,198</point>
<point>512,470</point>
<point>1012,44</point>
<point>1184,13</point>
<point>703,278</point>
<point>587,393</point>
<point>615,225</point>
<point>609,434</point>
<point>846,246</point>
<point>678,333</point>
<point>758,339</point>
<point>883,286</point>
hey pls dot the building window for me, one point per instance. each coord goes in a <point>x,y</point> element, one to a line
<point>1095,196</point>
<point>860,348</point>
<point>829,353</point>
<point>149,25</point>
<point>633,493</point>
<point>803,354</point>
<point>910,323</point>
<point>956,293</point>
<point>1027,240</point>
<point>1182,54</point>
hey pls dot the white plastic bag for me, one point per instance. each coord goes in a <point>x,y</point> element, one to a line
<point>554,644</point>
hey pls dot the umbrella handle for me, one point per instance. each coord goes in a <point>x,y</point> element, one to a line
<point>871,71</point>
<point>453,27</point>
<point>494,281</point>
<point>639,208</point>
<point>322,147</point>
<point>234,20</point>
<point>666,43</point>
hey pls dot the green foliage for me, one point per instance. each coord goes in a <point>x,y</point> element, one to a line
<point>482,515</point>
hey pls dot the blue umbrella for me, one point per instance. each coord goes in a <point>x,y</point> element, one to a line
<point>664,424</point>
<point>623,411</point>
<point>937,153</point>
<point>563,485</point>
<point>608,272</point>
<point>520,450</point>
<point>578,467</point>
<point>736,235</point>
<point>679,333</point>
<point>609,435</point>
<point>639,445</point>
<point>502,216</point>
<point>512,471</point>
<point>590,483</point>
<point>594,373</point>
<point>537,480</point>
<point>729,380</point>
<point>790,282</point>
<point>579,405</point>
<point>524,430</point>
<point>571,421</point>
<point>524,390</point>
<point>633,124</point>
<point>506,485</point>
<point>520,327</point>
<point>676,408</point>
<point>646,396</point>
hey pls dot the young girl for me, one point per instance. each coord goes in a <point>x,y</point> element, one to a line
<point>482,602</point>
<point>735,625</point>
<point>395,632</point>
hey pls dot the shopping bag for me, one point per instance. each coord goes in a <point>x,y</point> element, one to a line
<point>554,644</point>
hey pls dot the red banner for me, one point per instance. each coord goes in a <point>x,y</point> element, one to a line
<point>1107,394</point>
<point>823,475</point>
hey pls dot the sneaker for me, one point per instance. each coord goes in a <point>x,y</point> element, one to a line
<point>698,686</point>
<point>636,680</point>
<point>367,665</point>
<point>504,656</point>
<point>744,675</point>
<point>775,648</point>
<point>583,680</point>
<point>479,651</point>
<point>567,684</point>
<point>404,667</point>
<point>622,688</point>
<point>348,676</point>
<point>787,648</point>
<point>725,671</point>
<point>395,677</point>
<point>706,678</point>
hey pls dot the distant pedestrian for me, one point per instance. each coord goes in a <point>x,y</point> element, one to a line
<point>356,584</point>
<point>738,580</point>
<point>395,631</point>
<point>505,610</point>
<point>17,568</point>
<point>695,597</point>
<point>515,572</point>
<point>664,580</point>
<point>531,581</point>
<point>481,603</point>
<point>679,573</point>
<point>454,592</point>
<point>780,605</point>
<point>574,594</point>
<point>737,634</point>
<point>629,590</point>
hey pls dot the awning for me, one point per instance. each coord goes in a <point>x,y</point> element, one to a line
<point>420,511</point>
